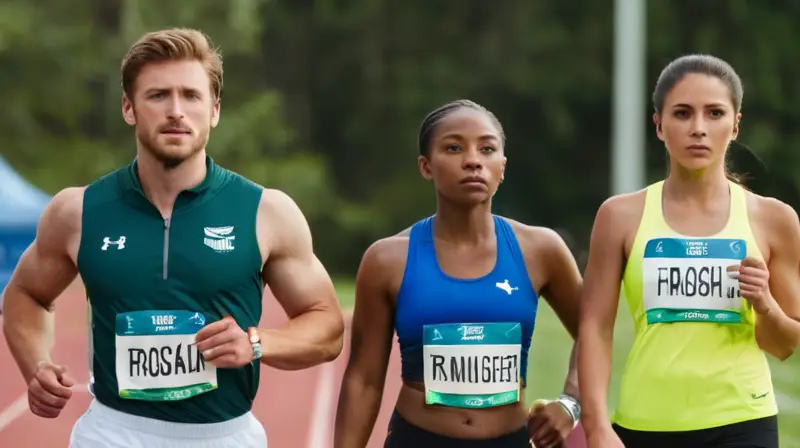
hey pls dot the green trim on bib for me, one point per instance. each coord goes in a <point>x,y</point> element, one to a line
<point>664,315</point>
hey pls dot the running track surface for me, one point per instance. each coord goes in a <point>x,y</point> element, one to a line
<point>297,408</point>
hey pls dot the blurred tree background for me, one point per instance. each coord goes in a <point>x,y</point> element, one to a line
<point>323,99</point>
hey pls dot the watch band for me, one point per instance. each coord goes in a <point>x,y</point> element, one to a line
<point>255,342</point>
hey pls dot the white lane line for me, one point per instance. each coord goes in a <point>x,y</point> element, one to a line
<point>18,408</point>
<point>320,431</point>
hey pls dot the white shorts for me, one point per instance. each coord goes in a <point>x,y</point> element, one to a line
<point>103,427</point>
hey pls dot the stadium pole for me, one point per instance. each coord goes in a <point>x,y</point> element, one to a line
<point>628,103</point>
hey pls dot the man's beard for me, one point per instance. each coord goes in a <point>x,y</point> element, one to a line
<point>168,160</point>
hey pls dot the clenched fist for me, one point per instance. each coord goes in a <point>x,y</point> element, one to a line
<point>753,277</point>
<point>549,424</point>
<point>49,390</point>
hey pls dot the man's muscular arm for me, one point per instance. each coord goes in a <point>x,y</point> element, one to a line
<point>43,272</point>
<point>301,285</point>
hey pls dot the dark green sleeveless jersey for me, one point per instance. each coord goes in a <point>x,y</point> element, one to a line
<point>153,283</point>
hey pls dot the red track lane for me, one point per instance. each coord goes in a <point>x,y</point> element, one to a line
<point>25,430</point>
<point>288,402</point>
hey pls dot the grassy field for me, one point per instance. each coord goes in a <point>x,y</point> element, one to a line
<point>551,348</point>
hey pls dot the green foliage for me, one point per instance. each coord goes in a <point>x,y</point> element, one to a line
<point>324,99</point>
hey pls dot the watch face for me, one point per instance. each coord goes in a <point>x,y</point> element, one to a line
<point>253,333</point>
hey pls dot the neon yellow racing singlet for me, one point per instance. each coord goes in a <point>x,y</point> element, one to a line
<point>694,363</point>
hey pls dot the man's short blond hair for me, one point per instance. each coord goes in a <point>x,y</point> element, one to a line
<point>172,45</point>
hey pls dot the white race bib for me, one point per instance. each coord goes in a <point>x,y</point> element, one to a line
<point>156,356</point>
<point>472,365</point>
<point>686,280</point>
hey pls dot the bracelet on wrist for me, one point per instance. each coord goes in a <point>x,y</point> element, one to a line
<point>572,406</point>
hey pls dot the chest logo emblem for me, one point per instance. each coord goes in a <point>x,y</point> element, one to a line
<point>219,238</point>
<point>505,286</point>
<point>120,243</point>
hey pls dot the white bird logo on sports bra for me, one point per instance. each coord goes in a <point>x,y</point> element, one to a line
<point>505,286</point>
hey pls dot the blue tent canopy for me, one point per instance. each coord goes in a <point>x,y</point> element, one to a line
<point>21,205</point>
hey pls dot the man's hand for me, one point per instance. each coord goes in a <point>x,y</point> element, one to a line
<point>549,424</point>
<point>49,390</point>
<point>224,344</point>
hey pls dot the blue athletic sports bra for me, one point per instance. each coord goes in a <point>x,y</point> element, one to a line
<point>429,296</point>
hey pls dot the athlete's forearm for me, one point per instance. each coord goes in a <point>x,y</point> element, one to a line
<point>359,404</point>
<point>777,333</point>
<point>594,372</point>
<point>29,329</point>
<point>571,385</point>
<point>312,338</point>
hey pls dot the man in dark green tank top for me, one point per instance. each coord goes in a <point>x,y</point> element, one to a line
<point>174,252</point>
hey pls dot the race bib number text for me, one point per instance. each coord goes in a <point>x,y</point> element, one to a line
<point>156,356</point>
<point>472,365</point>
<point>686,280</point>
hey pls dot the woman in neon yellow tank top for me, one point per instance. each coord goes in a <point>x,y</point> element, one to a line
<point>696,375</point>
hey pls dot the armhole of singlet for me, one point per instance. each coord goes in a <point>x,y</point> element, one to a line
<point>651,221</point>
<point>652,215</point>
<point>739,206</point>
<point>512,243</point>
<point>409,271</point>
<point>740,215</point>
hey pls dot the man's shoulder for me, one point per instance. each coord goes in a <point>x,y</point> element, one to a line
<point>277,202</point>
<point>281,217</point>
<point>64,210</point>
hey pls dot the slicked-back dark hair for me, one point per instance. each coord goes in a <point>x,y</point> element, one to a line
<point>433,118</point>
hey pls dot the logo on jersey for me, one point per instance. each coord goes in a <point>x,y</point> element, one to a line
<point>219,238</point>
<point>120,243</point>
<point>505,286</point>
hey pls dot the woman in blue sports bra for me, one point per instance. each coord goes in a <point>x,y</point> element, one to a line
<point>461,290</point>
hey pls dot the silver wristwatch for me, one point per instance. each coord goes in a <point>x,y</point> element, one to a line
<point>255,342</point>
